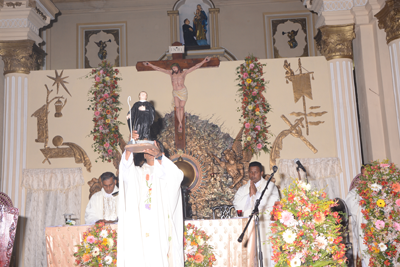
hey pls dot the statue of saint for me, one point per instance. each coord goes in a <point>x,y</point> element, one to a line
<point>179,91</point>
<point>142,114</point>
<point>102,54</point>
<point>200,22</point>
<point>188,34</point>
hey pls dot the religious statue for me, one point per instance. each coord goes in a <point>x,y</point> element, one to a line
<point>141,117</point>
<point>179,91</point>
<point>188,34</point>
<point>200,22</point>
<point>237,161</point>
<point>102,54</point>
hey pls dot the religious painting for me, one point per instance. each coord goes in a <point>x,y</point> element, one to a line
<point>98,42</point>
<point>194,23</point>
<point>289,35</point>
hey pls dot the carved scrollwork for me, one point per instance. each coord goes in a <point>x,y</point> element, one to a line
<point>389,20</point>
<point>21,56</point>
<point>335,41</point>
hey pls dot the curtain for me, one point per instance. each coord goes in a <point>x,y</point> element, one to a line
<point>50,194</point>
<point>323,173</point>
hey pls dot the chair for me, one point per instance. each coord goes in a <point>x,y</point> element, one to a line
<point>225,210</point>
<point>8,229</point>
<point>342,207</point>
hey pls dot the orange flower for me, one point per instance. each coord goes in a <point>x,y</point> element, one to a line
<point>86,257</point>
<point>147,177</point>
<point>198,258</point>
<point>319,217</point>
<point>193,243</point>
<point>257,110</point>
<point>108,111</point>
<point>396,187</point>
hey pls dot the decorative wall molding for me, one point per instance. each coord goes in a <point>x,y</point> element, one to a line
<point>18,23</point>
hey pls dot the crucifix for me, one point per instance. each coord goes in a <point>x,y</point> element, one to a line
<point>178,68</point>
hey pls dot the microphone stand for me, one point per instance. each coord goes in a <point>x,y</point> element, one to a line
<point>256,212</point>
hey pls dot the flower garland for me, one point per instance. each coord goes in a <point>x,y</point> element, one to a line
<point>197,251</point>
<point>104,102</point>
<point>306,232</point>
<point>379,189</point>
<point>254,106</point>
<point>98,247</point>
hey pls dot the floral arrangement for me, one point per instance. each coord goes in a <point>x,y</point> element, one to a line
<point>305,231</point>
<point>197,251</point>
<point>254,106</point>
<point>379,189</point>
<point>98,248</point>
<point>104,102</point>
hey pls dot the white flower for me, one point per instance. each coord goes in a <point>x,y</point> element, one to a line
<point>108,260</point>
<point>295,262</point>
<point>376,187</point>
<point>200,241</point>
<point>382,247</point>
<point>190,250</point>
<point>95,252</point>
<point>103,233</point>
<point>289,236</point>
<point>321,242</point>
<point>110,242</point>
<point>304,186</point>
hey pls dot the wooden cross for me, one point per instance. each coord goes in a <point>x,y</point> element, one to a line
<point>184,64</point>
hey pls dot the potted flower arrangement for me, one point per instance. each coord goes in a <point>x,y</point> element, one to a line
<point>196,248</point>
<point>254,107</point>
<point>98,247</point>
<point>105,104</point>
<point>379,190</point>
<point>305,231</point>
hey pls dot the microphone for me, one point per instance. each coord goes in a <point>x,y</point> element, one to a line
<point>275,168</point>
<point>297,161</point>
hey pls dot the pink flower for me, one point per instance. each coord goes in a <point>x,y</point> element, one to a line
<point>384,165</point>
<point>106,145</point>
<point>101,71</point>
<point>97,113</point>
<point>259,146</point>
<point>109,151</point>
<point>254,93</point>
<point>287,217</point>
<point>247,125</point>
<point>398,202</point>
<point>101,128</point>
<point>396,226</point>
<point>251,66</point>
<point>97,79</point>
<point>258,127</point>
<point>379,224</point>
<point>105,95</point>
<point>245,75</point>
<point>90,239</point>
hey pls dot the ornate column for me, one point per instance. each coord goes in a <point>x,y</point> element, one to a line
<point>389,21</point>
<point>19,58</point>
<point>335,43</point>
<point>174,25</point>
<point>214,32</point>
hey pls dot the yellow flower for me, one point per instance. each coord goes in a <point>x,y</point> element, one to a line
<point>248,80</point>
<point>258,113</point>
<point>108,120</point>
<point>381,203</point>
<point>107,78</point>
<point>250,107</point>
<point>248,138</point>
<point>87,250</point>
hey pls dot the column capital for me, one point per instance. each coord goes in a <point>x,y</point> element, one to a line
<point>212,10</point>
<point>21,56</point>
<point>389,19</point>
<point>173,12</point>
<point>335,41</point>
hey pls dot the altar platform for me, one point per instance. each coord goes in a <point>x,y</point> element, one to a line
<point>61,242</point>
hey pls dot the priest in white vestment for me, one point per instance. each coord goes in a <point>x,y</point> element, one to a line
<point>103,205</point>
<point>246,197</point>
<point>357,218</point>
<point>150,219</point>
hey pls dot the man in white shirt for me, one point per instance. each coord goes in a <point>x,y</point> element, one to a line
<point>103,205</point>
<point>246,197</point>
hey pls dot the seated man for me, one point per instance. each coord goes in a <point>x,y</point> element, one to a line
<point>103,206</point>
<point>246,196</point>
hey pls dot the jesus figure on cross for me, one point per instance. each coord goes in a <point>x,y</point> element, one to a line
<point>179,91</point>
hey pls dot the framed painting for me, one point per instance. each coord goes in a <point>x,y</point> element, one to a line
<point>101,41</point>
<point>289,35</point>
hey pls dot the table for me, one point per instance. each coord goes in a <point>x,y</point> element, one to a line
<point>61,241</point>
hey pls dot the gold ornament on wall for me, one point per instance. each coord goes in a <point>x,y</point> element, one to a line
<point>59,105</point>
<point>59,80</point>
<point>389,20</point>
